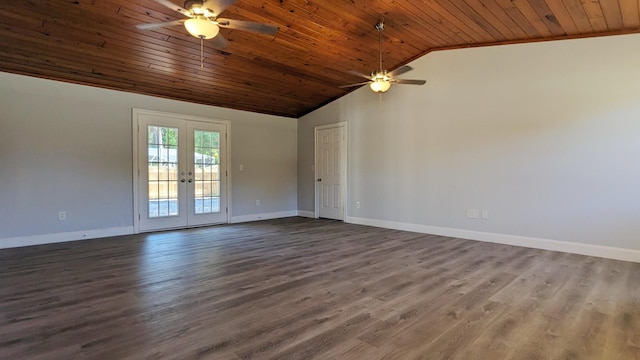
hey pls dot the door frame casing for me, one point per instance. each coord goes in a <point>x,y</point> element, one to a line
<point>135,114</point>
<point>344,164</point>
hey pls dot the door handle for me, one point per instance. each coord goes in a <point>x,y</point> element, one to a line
<point>319,179</point>
<point>190,180</point>
<point>181,180</point>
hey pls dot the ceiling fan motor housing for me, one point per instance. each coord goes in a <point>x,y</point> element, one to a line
<point>197,7</point>
<point>190,3</point>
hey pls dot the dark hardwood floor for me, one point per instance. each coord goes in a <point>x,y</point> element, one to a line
<point>312,289</point>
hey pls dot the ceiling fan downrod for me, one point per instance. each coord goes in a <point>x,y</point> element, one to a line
<point>380,26</point>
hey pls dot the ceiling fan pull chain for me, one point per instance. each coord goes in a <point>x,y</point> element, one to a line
<point>201,52</point>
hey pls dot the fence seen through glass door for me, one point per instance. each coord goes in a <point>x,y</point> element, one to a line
<point>206,159</point>
<point>163,180</point>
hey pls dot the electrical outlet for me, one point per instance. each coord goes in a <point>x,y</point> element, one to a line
<point>241,167</point>
<point>485,214</point>
<point>62,215</point>
<point>357,204</point>
<point>473,213</point>
<point>257,202</point>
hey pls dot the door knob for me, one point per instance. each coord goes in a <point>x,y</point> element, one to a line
<point>181,180</point>
<point>190,180</point>
<point>319,179</point>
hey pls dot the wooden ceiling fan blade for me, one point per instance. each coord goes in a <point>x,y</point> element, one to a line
<point>409,82</point>
<point>159,25</point>
<point>359,74</point>
<point>218,6</point>
<point>401,70</point>
<point>219,42</point>
<point>352,85</point>
<point>168,4</point>
<point>247,26</point>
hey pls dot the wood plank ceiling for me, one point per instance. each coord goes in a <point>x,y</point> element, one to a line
<point>95,42</point>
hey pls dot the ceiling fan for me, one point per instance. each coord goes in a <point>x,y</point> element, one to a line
<point>380,81</point>
<point>203,21</point>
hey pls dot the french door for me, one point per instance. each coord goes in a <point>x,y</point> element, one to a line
<point>181,171</point>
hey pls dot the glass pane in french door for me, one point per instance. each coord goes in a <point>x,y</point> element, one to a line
<point>206,160</point>
<point>162,160</point>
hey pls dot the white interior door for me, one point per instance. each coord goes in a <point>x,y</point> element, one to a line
<point>181,172</point>
<point>331,172</point>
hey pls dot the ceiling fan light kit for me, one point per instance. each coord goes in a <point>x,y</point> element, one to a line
<point>380,82</point>
<point>201,28</point>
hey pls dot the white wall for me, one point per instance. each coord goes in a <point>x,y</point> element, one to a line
<point>545,136</point>
<point>69,147</point>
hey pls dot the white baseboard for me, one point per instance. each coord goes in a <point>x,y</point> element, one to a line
<point>20,241</point>
<point>309,214</point>
<point>63,237</point>
<point>530,242</point>
<point>263,216</point>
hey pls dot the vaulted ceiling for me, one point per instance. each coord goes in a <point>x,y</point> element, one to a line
<point>96,42</point>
